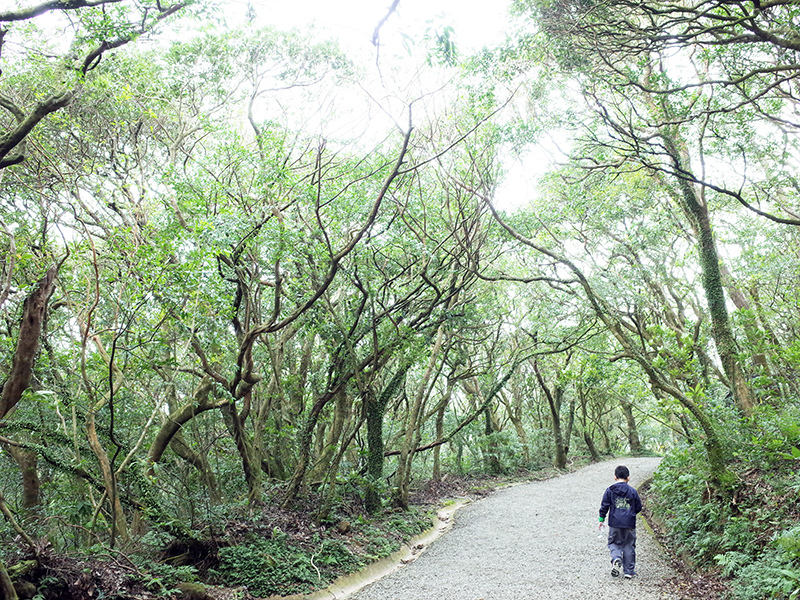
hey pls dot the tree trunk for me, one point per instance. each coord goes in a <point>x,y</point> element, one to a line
<point>492,454</point>
<point>459,458</point>
<point>584,419</point>
<point>178,418</point>
<point>270,448</point>
<point>6,585</point>
<point>522,435</point>
<point>436,473</point>
<point>199,461</point>
<point>376,408</point>
<point>251,470</point>
<point>788,380</point>
<point>515,412</point>
<point>306,435</point>
<point>120,523</point>
<point>606,441</point>
<point>554,399</point>
<point>170,432</point>
<point>31,486</point>
<point>687,427</point>
<point>590,445</point>
<point>265,403</point>
<point>712,281</point>
<point>751,330</point>
<point>291,411</point>
<point>324,509</point>
<point>283,400</point>
<point>570,426</point>
<point>341,415</point>
<point>633,434</point>
<point>34,312</point>
<point>403,477</point>
<point>305,439</point>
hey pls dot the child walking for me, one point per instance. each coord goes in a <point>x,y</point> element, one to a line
<point>621,503</point>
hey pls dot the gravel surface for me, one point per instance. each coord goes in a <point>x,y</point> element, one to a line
<point>535,541</point>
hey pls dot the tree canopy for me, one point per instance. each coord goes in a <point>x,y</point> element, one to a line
<point>245,268</point>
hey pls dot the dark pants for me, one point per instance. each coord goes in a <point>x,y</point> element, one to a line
<point>622,544</point>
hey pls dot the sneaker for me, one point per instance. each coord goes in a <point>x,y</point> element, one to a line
<point>629,575</point>
<point>616,568</point>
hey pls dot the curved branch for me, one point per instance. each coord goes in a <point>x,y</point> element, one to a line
<point>24,14</point>
<point>475,414</point>
<point>14,138</point>
<point>93,58</point>
<point>376,35</point>
<point>177,419</point>
<point>686,176</point>
<point>13,522</point>
<point>269,327</point>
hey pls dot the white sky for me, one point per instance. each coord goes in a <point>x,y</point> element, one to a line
<point>476,22</point>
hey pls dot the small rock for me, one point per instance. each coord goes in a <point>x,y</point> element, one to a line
<point>25,589</point>
<point>343,527</point>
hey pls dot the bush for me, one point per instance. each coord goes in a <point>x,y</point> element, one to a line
<point>409,523</point>
<point>680,501</point>
<point>272,567</point>
<point>773,575</point>
<point>377,543</point>
<point>751,531</point>
<point>266,567</point>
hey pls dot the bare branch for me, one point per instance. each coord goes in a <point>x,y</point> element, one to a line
<point>93,58</point>
<point>376,35</point>
<point>12,251</point>
<point>24,14</point>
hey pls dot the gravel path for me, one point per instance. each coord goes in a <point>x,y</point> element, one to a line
<point>536,541</point>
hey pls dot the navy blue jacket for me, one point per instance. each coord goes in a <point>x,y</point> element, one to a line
<point>621,502</point>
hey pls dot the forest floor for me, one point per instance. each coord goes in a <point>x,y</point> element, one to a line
<point>527,534</point>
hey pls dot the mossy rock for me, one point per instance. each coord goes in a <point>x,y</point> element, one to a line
<point>21,569</point>
<point>194,591</point>
<point>25,589</point>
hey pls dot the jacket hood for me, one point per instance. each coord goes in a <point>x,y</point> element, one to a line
<point>622,489</point>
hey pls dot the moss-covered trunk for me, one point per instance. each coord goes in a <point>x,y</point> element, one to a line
<point>376,408</point>
<point>714,291</point>
<point>554,399</point>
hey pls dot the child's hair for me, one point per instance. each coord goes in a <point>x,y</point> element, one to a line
<point>621,472</point>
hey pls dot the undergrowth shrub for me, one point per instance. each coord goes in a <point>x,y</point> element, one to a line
<point>158,576</point>
<point>377,545</point>
<point>272,567</point>
<point>750,532</point>
<point>409,523</point>
<point>774,573</point>
<point>680,502</point>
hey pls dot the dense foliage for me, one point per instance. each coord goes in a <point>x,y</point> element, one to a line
<point>750,534</point>
<point>248,275</point>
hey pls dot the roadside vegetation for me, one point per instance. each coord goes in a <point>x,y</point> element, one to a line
<point>745,535</point>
